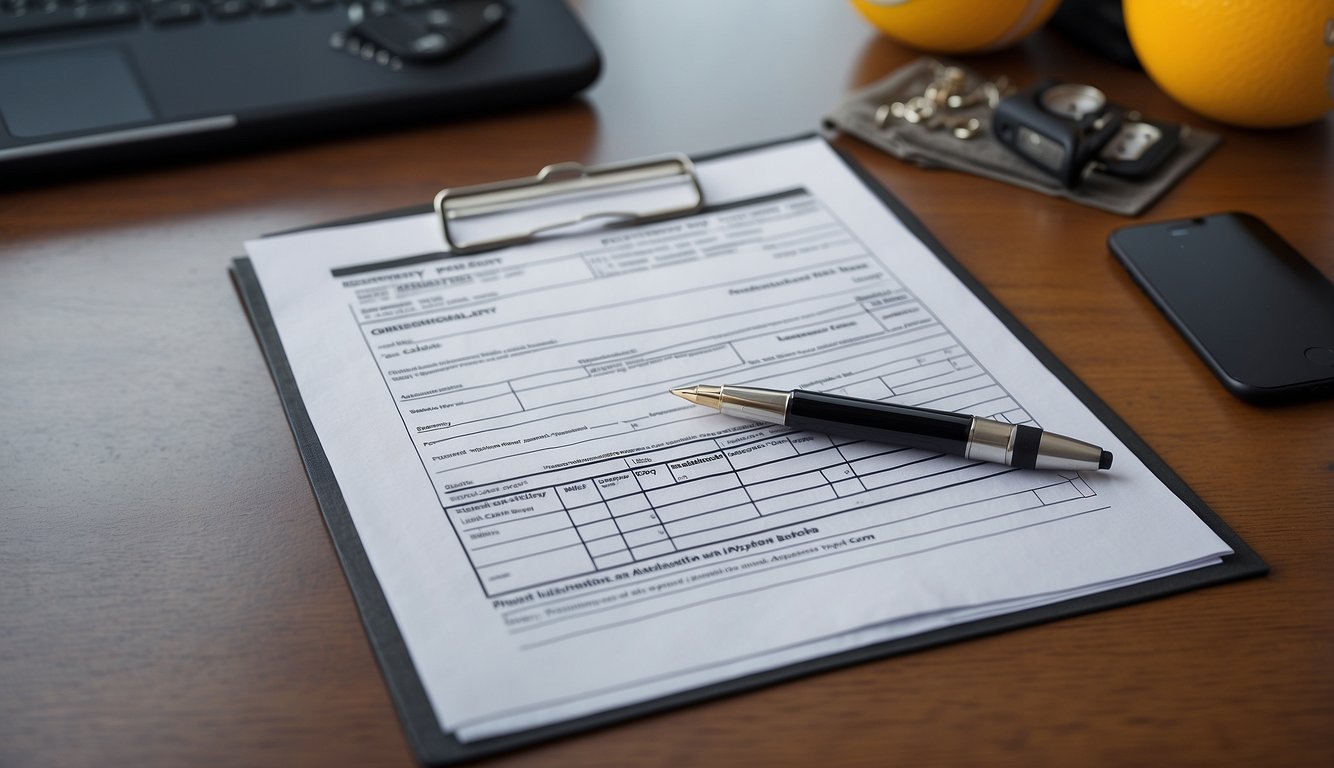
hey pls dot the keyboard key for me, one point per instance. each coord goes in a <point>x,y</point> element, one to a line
<point>273,6</point>
<point>173,12</point>
<point>229,9</point>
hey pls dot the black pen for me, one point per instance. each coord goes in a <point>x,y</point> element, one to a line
<point>1016,445</point>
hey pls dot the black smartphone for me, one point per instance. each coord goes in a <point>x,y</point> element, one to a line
<point>1259,314</point>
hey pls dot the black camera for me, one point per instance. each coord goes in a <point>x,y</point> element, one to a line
<point>1069,130</point>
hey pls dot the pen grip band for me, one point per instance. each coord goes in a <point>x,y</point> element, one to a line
<point>1027,440</point>
<point>879,422</point>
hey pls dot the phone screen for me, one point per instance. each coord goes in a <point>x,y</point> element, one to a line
<point>1259,314</point>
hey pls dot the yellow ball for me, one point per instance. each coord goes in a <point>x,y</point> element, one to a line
<point>1254,63</point>
<point>957,26</point>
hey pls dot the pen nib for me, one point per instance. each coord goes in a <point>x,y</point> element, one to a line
<point>710,397</point>
<point>686,392</point>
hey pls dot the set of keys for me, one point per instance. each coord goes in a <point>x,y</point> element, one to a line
<point>416,31</point>
<point>1066,130</point>
<point>946,102</point>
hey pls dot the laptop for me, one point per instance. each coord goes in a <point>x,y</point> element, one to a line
<point>85,83</point>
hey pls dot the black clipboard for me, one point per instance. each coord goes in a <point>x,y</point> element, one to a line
<point>434,746</point>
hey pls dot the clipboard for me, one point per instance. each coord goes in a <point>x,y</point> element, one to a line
<point>434,746</point>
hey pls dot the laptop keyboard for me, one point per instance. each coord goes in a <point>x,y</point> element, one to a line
<point>20,18</point>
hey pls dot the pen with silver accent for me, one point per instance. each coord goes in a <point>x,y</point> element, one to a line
<point>974,437</point>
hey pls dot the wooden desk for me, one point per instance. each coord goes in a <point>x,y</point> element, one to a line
<point>168,593</point>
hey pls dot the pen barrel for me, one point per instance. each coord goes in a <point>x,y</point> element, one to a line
<point>879,422</point>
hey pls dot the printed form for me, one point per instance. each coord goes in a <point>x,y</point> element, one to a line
<point>557,535</point>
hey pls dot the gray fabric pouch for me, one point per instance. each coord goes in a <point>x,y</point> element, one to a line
<point>982,155</point>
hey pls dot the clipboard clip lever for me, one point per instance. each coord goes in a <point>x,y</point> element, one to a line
<point>567,197</point>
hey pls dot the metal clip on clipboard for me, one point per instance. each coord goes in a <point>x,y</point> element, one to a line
<point>567,197</point>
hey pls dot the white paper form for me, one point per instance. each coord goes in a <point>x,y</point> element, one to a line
<point>557,535</point>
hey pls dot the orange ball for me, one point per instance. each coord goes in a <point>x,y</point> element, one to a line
<point>1254,63</point>
<point>957,26</point>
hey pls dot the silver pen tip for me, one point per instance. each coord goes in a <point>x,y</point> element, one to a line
<point>703,394</point>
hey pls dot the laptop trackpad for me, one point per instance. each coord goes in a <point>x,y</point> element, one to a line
<point>67,91</point>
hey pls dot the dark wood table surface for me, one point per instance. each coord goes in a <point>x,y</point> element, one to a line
<point>168,592</point>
